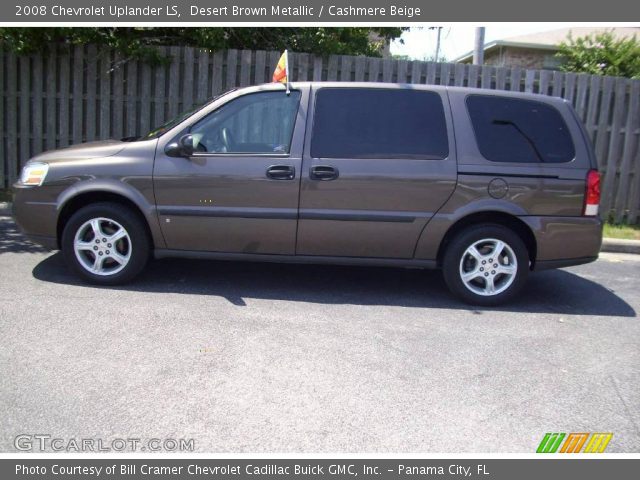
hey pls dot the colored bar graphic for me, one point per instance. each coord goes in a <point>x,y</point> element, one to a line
<point>550,443</point>
<point>574,443</point>
<point>598,442</point>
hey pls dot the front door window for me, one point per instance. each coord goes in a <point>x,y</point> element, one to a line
<point>257,123</point>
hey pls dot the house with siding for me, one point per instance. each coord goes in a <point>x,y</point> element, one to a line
<point>538,50</point>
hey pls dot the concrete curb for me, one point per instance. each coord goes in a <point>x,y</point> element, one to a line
<point>610,245</point>
<point>615,245</point>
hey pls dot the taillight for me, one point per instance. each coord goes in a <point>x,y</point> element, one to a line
<point>592,194</point>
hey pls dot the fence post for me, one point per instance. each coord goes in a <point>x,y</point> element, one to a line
<point>37,99</point>
<point>623,201</point>
<point>92,78</point>
<point>105,94</point>
<point>613,156</point>
<point>3,125</point>
<point>12,117</point>
<point>77,92</point>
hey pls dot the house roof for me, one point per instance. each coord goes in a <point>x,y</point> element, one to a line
<point>551,39</point>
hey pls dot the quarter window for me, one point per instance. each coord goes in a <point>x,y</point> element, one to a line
<point>520,131</point>
<point>255,123</point>
<point>378,123</point>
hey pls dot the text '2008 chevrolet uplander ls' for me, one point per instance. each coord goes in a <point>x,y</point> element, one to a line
<point>486,185</point>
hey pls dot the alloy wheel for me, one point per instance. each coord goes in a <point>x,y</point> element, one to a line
<point>102,246</point>
<point>488,267</point>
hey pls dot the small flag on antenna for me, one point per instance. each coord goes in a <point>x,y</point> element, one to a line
<point>281,73</point>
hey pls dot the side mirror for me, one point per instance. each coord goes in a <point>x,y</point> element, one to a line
<point>182,148</point>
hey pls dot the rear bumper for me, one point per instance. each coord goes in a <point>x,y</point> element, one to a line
<point>565,241</point>
<point>571,262</point>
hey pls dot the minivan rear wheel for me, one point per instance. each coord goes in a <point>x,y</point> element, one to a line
<point>105,243</point>
<point>486,264</point>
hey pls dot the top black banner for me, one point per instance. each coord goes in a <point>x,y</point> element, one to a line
<point>399,12</point>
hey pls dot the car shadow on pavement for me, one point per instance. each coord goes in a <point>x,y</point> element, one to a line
<point>12,241</point>
<point>554,291</point>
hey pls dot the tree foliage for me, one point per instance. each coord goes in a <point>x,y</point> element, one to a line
<point>601,54</point>
<point>141,42</point>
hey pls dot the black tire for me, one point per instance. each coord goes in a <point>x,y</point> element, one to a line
<point>456,251</point>
<point>137,243</point>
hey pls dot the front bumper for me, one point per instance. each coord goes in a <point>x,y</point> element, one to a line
<point>36,214</point>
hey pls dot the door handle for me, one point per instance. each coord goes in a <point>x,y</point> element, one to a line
<point>323,173</point>
<point>281,172</point>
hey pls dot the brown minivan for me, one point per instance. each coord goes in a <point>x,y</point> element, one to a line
<point>487,185</point>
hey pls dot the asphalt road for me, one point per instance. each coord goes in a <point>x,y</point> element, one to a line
<point>247,357</point>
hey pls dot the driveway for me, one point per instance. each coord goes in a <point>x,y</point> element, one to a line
<point>245,357</point>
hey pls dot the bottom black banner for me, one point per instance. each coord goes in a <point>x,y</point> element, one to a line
<point>311,469</point>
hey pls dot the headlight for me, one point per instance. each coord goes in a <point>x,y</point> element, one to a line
<point>34,173</point>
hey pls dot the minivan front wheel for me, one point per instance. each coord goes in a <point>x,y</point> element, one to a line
<point>486,264</point>
<point>105,243</point>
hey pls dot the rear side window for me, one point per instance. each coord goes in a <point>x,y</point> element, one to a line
<point>378,123</point>
<point>521,131</point>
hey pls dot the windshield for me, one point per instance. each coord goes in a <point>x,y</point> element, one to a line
<point>165,127</point>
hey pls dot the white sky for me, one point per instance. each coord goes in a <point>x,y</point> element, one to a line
<point>457,39</point>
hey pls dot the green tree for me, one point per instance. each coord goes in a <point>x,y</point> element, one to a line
<point>141,42</point>
<point>601,54</point>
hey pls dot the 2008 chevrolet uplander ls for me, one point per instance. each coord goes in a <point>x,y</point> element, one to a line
<point>486,185</point>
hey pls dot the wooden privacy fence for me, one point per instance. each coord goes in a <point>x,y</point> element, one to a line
<point>89,93</point>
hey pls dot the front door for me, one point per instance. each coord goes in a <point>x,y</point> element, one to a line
<point>238,193</point>
<point>378,164</point>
